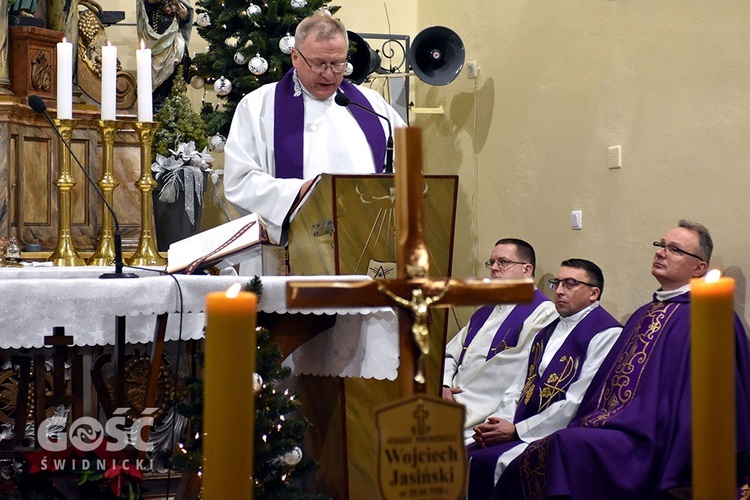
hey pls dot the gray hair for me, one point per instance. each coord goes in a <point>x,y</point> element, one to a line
<point>704,237</point>
<point>321,26</point>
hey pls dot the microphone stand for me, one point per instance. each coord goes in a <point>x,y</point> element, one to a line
<point>342,100</point>
<point>38,105</point>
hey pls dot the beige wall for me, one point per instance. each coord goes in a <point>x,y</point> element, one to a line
<point>559,83</point>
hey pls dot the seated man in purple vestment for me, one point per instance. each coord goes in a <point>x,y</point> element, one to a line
<point>631,437</point>
<point>565,355</point>
<point>483,359</point>
<point>284,134</point>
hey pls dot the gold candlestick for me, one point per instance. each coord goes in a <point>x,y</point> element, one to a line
<point>146,254</point>
<point>65,253</point>
<point>105,252</point>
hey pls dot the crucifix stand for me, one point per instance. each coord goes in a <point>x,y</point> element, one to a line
<point>413,293</point>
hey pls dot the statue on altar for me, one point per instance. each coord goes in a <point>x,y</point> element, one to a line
<point>21,13</point>
<point>23,7</point>
<point>165,26</point>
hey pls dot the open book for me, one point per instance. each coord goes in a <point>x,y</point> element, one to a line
<point>216,244</point>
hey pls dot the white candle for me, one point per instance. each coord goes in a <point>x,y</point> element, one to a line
<point>143,65</point>
<point>64,80</point>
<point>109,79</point>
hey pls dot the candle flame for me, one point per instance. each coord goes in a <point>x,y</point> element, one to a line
<point>109,44</point>
<point>713,276</point>
<point>234,291</point>
<point>65,40</point>
<point>143,44</point>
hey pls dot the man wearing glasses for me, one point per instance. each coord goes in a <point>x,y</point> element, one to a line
<point>631,436</point>
<point>284,134</point>
<point>483,359</point>
<point>564,357</point>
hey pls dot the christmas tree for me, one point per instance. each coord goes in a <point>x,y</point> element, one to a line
<point>278,461</point>
<point>179,123</point>
<point>248,46</point>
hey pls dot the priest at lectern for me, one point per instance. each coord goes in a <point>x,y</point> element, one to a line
<point>286,133</point>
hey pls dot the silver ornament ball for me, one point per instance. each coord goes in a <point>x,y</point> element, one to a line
<point>240,58</point>
<point>257,379</point>
<point>197,82</point>
<point>293,457</point>
<point>216,143</point>
<point>349,69</point>
<point>298,4</point>
<point>253,10</point>
<point>203,20</point>
<point>257,65</point>
<point>286,44</point>
<point>222,86</point>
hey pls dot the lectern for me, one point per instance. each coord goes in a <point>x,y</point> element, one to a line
<point>346,225</point>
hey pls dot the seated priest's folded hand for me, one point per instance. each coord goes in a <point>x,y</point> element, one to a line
<point>494,431</point>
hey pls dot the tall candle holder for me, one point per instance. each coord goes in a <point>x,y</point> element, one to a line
<point>105,252</point>
<point>146,254</point>
<point>65,253</point>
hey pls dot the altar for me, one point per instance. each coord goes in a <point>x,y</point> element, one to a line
<point>33,300</point>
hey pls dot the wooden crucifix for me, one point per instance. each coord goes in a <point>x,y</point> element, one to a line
<point>412,292</point>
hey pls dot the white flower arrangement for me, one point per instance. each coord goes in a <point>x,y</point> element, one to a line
<point>193,164</point>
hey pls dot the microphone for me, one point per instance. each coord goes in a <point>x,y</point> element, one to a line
<point>342,100</point>
<point>37,104</point>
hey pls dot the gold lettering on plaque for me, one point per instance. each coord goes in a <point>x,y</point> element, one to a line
<point>421,452</point>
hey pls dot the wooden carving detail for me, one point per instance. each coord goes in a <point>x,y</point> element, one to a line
<point>136,378</point>
<point>41,73</point>
<point>91,37</point>
<point>9,382</point>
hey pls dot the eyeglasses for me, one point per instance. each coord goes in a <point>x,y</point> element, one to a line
<point>502,263</point>
<point>676,250</point>
<point>567,283</point>
<point>337,68</point>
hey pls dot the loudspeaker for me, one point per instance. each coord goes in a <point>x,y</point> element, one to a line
<point>364,60</point>
<point>437,55</point>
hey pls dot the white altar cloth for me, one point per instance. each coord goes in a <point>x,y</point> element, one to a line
<point>33,300</point>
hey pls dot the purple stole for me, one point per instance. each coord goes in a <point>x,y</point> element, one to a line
<point>289,127</point>
<point>508,332</point>
<point>536,397</point>
<point>563,369</point>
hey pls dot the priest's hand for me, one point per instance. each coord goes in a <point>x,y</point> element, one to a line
<point>448,393</point>
<point>494,431</point>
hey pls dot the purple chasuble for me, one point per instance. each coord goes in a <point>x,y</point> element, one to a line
<point>507,333</point>
<point>289,127</point>
<point>631,437</point>
<point>537,396</point>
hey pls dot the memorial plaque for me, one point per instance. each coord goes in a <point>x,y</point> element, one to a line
<point>421,452</point>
